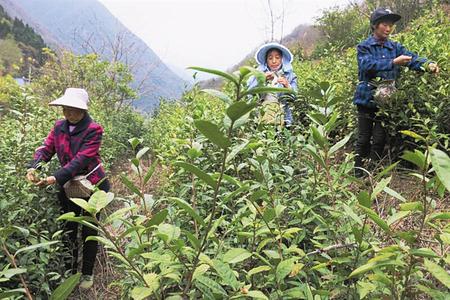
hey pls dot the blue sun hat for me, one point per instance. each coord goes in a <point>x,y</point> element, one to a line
<point>261,53</point>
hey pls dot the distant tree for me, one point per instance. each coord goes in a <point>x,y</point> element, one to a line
<point>108,83</point>
<point>408,9</point>
<point>10,56</point>
<point>343,27</point>
<point>5,27</point>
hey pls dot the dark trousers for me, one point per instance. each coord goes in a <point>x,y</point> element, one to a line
<point>371,136</point>
<point>70,238</point>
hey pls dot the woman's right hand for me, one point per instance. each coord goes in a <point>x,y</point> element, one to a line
<point>31,176</point>
<point>402,60</point>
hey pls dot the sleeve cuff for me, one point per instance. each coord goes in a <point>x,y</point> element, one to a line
<point>61,178</point>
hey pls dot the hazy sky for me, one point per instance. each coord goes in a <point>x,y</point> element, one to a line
<point>211,33</point>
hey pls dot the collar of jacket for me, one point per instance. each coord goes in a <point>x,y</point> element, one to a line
<point>80,126</point>
<point>387,43</point>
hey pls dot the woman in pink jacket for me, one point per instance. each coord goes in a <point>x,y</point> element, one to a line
<point>76,142</point>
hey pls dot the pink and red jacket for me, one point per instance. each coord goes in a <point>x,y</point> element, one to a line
<point>77,151</point>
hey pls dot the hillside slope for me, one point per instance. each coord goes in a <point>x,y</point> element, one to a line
<point>85,26</point>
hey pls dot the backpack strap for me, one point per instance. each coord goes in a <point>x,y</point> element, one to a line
<point>88,174</point>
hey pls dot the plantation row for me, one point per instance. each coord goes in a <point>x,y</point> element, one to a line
<point>242,210</point>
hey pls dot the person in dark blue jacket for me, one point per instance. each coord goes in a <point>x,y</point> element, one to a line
<point>379,58</point>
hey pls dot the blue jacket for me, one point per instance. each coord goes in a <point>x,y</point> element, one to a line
<point>287,71</point>
<point>375,59</point>
<point>291,78</point>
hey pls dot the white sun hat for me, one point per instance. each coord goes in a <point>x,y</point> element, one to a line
<point>261,53</point>
<point>73,97</point>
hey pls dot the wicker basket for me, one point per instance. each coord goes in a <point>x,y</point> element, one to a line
<point>78,187</point>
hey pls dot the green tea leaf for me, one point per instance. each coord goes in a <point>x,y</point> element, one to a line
<point>150,171</point>
<point>256,295</point>
<point>397,216</point>
<point>339,144</point>
<point>373,215</point>
<point>100,200</point>
<point>258,270</point>
<point>364,199</point>
<point>412,134</point>
<point>140,293</point>
<point>65,289</point>
<point>199,173</point>
<point>130,185</point>
<point>284,268</point>
<point>318,137</point>
<point>168,232</point>
<point>211,132</point>
<point>225,75</point>
<point>416,157</point>
<point>35,246</point>
<point>142,152</point>
<point>158,218</point>
<point>441,165</point>
<point>239,109</point>
<point>212,285</point>
<point>8,273</point>
<point>200,270</point>
<point>438,272</point>
<point>381,185</point>
<point>394,194</point>
<point>227,275</point>
<point>84,205</point>
<point>424,252</point>
<point>10,293</point>
<point>236,255</point>
<point>188,209</point>
<point>101,240</point>
<point>411,206</point>
<point>222,96</point>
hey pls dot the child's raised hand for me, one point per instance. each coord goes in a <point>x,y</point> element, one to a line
<point>283,81</point>
<point>269,75</point>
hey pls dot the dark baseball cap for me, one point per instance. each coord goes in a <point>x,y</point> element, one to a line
<point>381,14</point>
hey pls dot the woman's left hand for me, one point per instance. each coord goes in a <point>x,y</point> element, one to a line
<point>283,81</point>
<point>47,181</point>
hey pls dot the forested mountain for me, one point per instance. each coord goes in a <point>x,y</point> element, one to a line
<point>85,26</point>
<point>20,46</point>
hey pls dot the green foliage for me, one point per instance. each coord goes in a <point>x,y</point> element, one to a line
<point>342,28</point>
<point>25,122</point>
<point>249,210</point>
<point>10,56</point>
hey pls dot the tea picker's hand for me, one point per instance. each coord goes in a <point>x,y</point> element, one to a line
<point>433,68</point>
<point>269,75</point>
<point>47,181</point>
<point>32,176</point>
<point>402,60</point>
<point>283,81</point>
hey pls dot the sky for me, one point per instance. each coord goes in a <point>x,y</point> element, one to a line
<point>212,33</point>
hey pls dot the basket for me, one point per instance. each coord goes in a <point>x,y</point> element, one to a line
<point>80,186</point>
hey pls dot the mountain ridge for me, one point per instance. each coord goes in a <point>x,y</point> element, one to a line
<point>85,26</point>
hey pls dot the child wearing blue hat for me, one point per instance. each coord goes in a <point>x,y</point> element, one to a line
<point>275,61</point>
